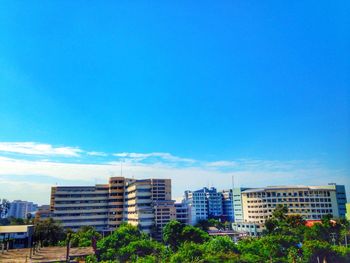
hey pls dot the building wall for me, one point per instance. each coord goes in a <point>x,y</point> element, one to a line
<point>143,203</point>
<point>341,199</point>
<point>20,209</point>
<point>214,202</point>
<point>197,200</point>
<point>185,213</point>
<point>227,204</point>
<point>77,206</point>
<point>237,204</point>
<point>138,205</point>
<point>310,202</point>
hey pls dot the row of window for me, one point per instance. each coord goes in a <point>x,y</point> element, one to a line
<point>285,194</point>
<point>300,200</point>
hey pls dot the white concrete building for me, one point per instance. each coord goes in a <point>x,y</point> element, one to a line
<point>20,209</point>
<point>311,202</point>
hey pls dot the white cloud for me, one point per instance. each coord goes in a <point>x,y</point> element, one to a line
<point>33,148</point>
<point>96,153</point>
<point>161,155</point>
<point>222,164</point>
<point>183,178</point>
<point>185,173</point>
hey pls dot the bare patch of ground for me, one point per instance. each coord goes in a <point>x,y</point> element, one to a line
<point>46,254</point>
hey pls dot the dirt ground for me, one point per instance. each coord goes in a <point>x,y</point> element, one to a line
<point>47,254</point>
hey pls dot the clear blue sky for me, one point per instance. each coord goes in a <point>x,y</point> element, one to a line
<point>197,79</point>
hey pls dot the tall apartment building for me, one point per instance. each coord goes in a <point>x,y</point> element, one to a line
<point>207,203</point>
<point>227,204</point>
<point>185,213</point>
<point>20,209</point>
<point>237,204</point>
<point>214,202</point>
<point>197,199</point>
<point>311,202</point>
<point>341,198</point>
<point>77,206</point>
<point>145,203</point>
<point>138,209</point>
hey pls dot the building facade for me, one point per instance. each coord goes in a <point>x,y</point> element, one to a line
<point>143,203</point>
<point>198,200</point>
<point>227,205</point>
<point>21,209</point>
<point>185,213</point>
<point>206,203</point>
<point>311,202</point>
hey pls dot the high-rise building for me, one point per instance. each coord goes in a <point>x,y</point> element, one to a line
<point>198,200</point>
<point>21,209</point>
<point>214,202</point>
<point>145,203</point>
<point>237,204</point>
<point>185,213</point>
<point>207,203</point>
<point>341,198</point>
<point>311,202</point>
<point>227,204</point>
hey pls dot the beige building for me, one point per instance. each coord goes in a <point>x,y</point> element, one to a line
<point>311,202</point>
<point>145,203</point>
<point>148,204</point>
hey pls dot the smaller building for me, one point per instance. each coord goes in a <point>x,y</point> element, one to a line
<point>347,216</point>
<point>227,205</point>
<point>18,236</point>
<point>21,209</point>
<point>185,213</point>
<point>248,229</point>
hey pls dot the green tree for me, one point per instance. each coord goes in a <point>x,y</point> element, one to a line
<point>221,249</point>
<point>83,237</point>
<point>194,234</point>
<point>139,249</point>
<point>318,251</point>
<point>110,246</point>
<point>187,253</point>
<point>48,232</point>
<point>172,234</point>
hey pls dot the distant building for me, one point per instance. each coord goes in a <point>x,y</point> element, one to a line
<point>311,202</point>
<point>198,200</point>
<point>18,236</point>
<point>249,229</point>
<point>185,213</point>
<point>21,209</point>
<point>206,202</point>
<point>341,198</point>
<point>144,203</point>
<point>347,216</point>
<point>237,204</point>
<point>214,202</point>
<point>148,205</point>
<point>227,205</point>
<point>43,212</point>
